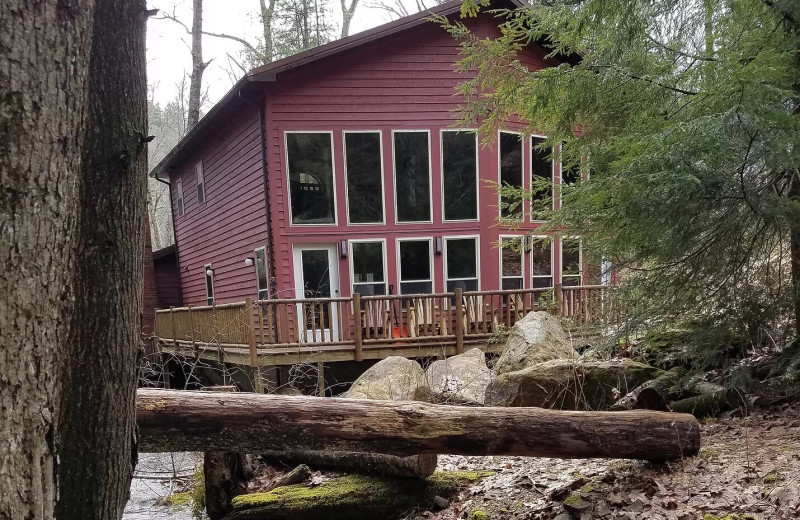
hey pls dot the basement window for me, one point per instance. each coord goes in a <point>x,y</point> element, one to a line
<point>412,176</point>
<point>541,178</point>
<point>416,273</point>
<point>201,185</point>
<point>571,262</point>
<point>261,273</point>
<point>460,175</point>
<point>309,156</point>
<point>461,263</point>
<point>364,171</point>
<point>368,267</point>
<point>541,262</point>
<point>510,174</point>
<point>511,275</point>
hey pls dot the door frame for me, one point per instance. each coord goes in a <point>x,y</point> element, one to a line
<point>299,290</point>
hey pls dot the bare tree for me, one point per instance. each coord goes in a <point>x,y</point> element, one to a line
<point>347,15</point>
<point>198,66</point>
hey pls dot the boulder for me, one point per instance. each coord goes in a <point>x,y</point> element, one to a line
<point>460,379</point>
<point>392,379</point>
<point>536,338</point>
<point>566,384</point>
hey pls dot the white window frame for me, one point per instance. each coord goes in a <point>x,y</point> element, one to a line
<point>400,280</point>
<point>580,260</point>
<point>200,183</point>
<point>521,258</point>
<point>347,184</point>
<point>500,216</point>
<point>210,298</point>
<point>430,180</point>
<point>266,266</point>
<point>180,202</point>
<point>353,283</point>
<point>554,166</point>
<point>477,173</point>
<point>531,239</point>
<point>477,239</point>
<point>289,181</point>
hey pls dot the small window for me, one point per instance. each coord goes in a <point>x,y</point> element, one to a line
<point>208,272</point>
<point>511,263</point>
<point>368,274</point>
<point>261,273</point>
<point>459,175</point>
<point>461,264</point>
<point>201,186</point>
<point>510,146</point>
<point>415,267</point>
<point>541,262</point>
<point>571,262</point>
<point>364,173</point>
<point>412,179</point>
<point>179,190</point>
<point>541,179</point>
<point>311,187</point>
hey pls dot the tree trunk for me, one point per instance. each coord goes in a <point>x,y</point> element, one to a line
<point>347,16</point>
<point>43,70</point>
<point>253,423</point>
<point>97,447</point>
<point>225,475</point>
<point>267,14</point>
<point>652,395</point>
<point>195,85</point>
<point>354,462</point>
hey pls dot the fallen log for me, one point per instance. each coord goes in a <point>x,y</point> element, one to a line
<point>354,462</point>
<point>252,423</point>
<point>652,395</point>
<point>710,405</point>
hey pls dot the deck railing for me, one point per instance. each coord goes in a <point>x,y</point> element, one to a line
<point>459,318</point>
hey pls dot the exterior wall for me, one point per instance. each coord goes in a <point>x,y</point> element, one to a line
<point>232,223</point>
<point>149,300</point>
<point>402,82</point>
<point>168,283</point>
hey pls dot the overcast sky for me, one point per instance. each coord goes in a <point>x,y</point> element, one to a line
<point>168,53</point>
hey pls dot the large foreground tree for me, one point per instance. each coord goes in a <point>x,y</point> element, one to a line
<point>72,216</point>
<point>685,115</point>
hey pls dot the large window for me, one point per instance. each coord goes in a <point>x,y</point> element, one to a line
<point>368,267</point>
<point>311,187</point>
<point>511,263</point>
<point>412,179</point>
<point>208,272</point>
<point>364,177</point>
<point>541,178</point>
<point>459,175</point>
<point>571,262</point>
<point>261,273</point>
<point>510,146</point>
<point>461,264</point>
<point>416,274</point>
<point>179,195</point>
<point>541,262</point>
<point>201,185</point>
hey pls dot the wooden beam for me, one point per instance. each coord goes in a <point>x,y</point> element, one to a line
<point>251,423</point>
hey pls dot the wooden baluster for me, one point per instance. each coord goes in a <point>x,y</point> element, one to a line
<point>358,355</point>
<point>459,324</point>
<point>250,331</point>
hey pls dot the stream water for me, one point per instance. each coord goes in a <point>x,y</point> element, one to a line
<point>157,476</point>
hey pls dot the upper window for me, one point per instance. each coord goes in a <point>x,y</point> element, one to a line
<point>368,273</point>
<point>201,186</point>
<point>571,262</point>
<point>261,273</point>
<point>510,146</point>
<point>412,176</point>
<point>459,175</point>
<point>416,275</point>
<point>179,191</point>
<point>208,272</point>
<point>511,263</point>
<point>461,264</point>
<point>311,188</point>
<point>364,173</point>
<point>541,178</point>
<point>541,262</point>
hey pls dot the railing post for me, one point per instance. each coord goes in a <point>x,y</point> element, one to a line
<point>459,326</point>
<point>558,296</point>
<point>174,335</point>
<point>250,331</point>
<point>359,355</point>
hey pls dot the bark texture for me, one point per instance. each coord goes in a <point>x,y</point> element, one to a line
<point>195,85</point>
<point>225,476</point>
<point>97,447</point>
<point>252,423</point>
<point>353,462</point>
<point>44,48</point>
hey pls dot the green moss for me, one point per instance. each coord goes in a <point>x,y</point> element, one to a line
<point>574,499</point>
<point>478,514</point>
<point>588,488</point>
<point>709,453</point>
<point>194,495</point>
<point>449,482</point>
<point>181,498</point>
<point>709,516</point>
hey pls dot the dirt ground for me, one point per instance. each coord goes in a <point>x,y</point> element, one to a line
<point>746,466</point>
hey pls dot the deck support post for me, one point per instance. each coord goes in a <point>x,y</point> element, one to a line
<point>459,325</point>
<point>359,354</point>
<point>320,379</point>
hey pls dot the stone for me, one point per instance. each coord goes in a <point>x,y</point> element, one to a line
<point>392,379</point>
<point>460,379</point>
<point>536,338</point>
<point>565,384</point>
<point>440,502</point>
<point>575,505</point>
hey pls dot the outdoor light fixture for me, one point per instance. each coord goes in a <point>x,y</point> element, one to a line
<point>248,261</point>
<point>343,249</point>
<point>437,245</point>
<point>209,272</point>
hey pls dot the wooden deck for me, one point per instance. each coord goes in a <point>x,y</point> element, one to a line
<point>293,331</point>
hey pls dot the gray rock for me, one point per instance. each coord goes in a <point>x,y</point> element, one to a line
<point>569,385</point>
<point>536,338</point>
<point>440,503</point>
<point>458,379</point>
<point>392,379</point>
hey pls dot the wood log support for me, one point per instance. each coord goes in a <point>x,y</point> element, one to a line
<point>253,423</point>
<point>354,462</point>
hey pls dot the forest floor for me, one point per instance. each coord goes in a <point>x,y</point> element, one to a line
<point>746,466</point>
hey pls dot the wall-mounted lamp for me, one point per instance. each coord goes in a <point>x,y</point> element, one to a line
<point>209,272</point>
<point>249,261</point>
<point>437,245</point>
<point>343,249</point>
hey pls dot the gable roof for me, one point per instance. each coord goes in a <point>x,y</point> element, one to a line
<point>238,97</point>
